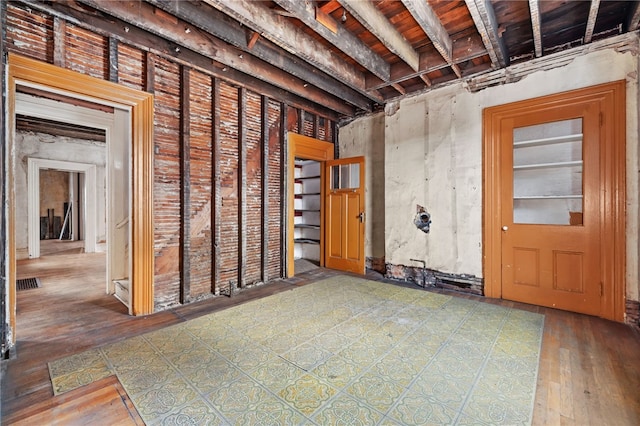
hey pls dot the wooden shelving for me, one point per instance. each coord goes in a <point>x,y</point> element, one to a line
<point>307,204</point>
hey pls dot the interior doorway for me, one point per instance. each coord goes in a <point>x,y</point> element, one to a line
<point>554,230</point>
<point>60,213</point>
<point>325,207</point>
<point>137,107</point>
<point>307,218</point>
<point>72,201</point>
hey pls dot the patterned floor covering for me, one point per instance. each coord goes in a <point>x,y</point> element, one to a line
<point>339,351</point>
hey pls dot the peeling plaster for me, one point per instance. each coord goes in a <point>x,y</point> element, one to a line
<point>433,156</point>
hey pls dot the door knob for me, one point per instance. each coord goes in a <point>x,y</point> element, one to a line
<point>505,227</point>
<point>361,217</point>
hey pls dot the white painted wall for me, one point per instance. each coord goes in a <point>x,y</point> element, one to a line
<point>433,157</point>
<point>43,146</point>
<point>365,137</point>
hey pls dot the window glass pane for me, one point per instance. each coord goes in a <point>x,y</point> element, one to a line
<point>345,176</point>
<point>335,177</point>
<point>547,173</point>
<point>355,176</point>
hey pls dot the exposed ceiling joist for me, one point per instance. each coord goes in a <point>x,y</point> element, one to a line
<point>367,14</point>
<point>431,25</point>
<point>485,20</point>
<point>591,21</point>
<point>534,10</point>
<point>279,30</point>
<point>343,40</point>
<point>146,17</point>
<point>220,25</point>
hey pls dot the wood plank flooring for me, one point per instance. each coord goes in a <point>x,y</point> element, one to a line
<point>589,370</point>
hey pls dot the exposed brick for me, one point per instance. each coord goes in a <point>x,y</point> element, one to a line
<point>633,313</point>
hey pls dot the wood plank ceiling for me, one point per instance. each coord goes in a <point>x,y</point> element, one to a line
<point>353,56</point>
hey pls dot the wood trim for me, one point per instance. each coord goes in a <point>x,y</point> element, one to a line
<point>32,72</point>
<point>310,149</point>
<point>613,187</point>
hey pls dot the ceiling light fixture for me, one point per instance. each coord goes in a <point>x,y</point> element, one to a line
<point>344,15</point>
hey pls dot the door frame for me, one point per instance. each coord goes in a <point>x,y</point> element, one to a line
<point>53,110</point>
<point>301,146</point>
<point>34,165</point>
<point>612,190</point>
<point>34,73</point>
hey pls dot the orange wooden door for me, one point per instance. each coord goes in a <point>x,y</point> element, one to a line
<point>344,214</point>
<point>551,209</point>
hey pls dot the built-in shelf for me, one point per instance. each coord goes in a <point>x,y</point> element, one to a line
<point>548,141</point>
<point>306,177</point>
<point>307,209</point>
<point>306,226</point>
<point>549,197</point>
<point>306,241</point>
<point>558,164</point>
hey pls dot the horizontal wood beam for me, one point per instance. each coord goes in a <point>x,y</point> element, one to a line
<point>143,15</point>
<point>372,19</point>
<point>431,25</point>
<point>341,38</point>
<point>485,19</point>
<point>107,26</point>
<point>464,50</point>
<point>257,16</point>
<point>227,29</point>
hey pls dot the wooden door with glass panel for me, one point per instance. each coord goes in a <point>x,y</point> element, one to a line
<point>550,206</point>
<point>344,214</point>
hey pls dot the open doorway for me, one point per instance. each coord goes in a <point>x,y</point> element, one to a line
<point>307,219</point>
<point>77,189</point>
<point>133,107</point>
<point>60,218</point>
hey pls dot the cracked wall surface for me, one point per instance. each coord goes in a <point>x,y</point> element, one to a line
<point>433,157</point>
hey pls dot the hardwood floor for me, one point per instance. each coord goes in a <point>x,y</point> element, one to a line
<point>589,370</point>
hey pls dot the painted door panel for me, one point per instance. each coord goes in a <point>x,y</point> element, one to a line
<point>552,259</point>
<point>344,214</point>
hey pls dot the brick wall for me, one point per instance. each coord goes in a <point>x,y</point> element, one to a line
<point>187,242</point>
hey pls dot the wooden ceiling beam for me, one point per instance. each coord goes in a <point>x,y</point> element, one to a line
<point>399,88</point>
<point>633,23</point>
<point>378,24</point>
<point>341,39</point>
<point>223,27</point>
<point>143,15</point>
<point>591,21</point>
<point>463,50</point>
<point>109,26</point>
<point>256,15</point>
<point>485,19</point>
<point>534,10</point>
<point>431,25</point>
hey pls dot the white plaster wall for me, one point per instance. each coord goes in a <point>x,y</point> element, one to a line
<point>43,146</point>
<point>366,138</point>
<point>433,157</point>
